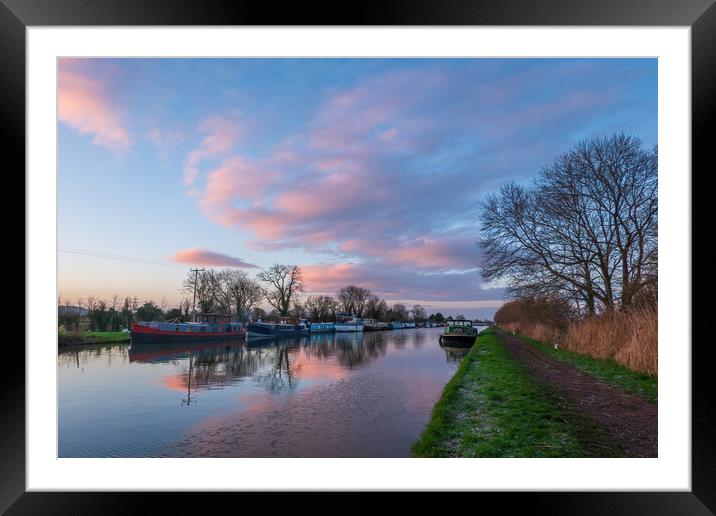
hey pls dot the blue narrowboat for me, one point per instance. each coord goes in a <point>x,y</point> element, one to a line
<point>321,327</point>
<point>272,330</point>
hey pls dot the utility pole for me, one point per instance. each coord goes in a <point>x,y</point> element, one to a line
<point>196,278</point>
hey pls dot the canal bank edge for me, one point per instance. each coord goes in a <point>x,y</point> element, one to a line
<point>493,408</point>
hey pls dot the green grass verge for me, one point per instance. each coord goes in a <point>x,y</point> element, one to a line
<point>642,384</point>
<point>490,408</point>
<point>92,337</point>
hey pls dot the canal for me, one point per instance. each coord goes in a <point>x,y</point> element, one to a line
<point>333,395</point>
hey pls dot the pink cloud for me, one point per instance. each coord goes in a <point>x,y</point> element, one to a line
<point>209,258</point>
<point>345,187</point>
<point>435,253</point>
<point>328,184</point>
<point>333,277</point>
<point>85,104</point>
<point>396,282</point>
<point>220,135</point>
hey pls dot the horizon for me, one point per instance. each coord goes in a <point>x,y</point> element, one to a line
<point>361,171</point>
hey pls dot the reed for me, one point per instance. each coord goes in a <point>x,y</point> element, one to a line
<point>628,338</point>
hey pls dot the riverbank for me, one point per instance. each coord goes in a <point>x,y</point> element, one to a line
<point>510,398</point>
<point>91,337</point>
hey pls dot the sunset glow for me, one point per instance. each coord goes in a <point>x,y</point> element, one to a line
<point>361,171</point>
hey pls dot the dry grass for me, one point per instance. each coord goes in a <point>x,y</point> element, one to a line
<point>630,339</point>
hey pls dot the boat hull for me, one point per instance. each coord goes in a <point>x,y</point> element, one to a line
<point>352,328</point>
<point>448,339</point>
<point>322,328</point>
<point>160,337</point>
<point>256,331</point>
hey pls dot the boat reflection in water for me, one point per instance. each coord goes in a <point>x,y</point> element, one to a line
<point>366,394</point>
<point>274,363</point>
<point>455,354</point>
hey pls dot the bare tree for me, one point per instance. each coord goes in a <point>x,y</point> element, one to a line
<point>376,308</point>
<point>399,312</point>
<point>419,313</point>
<point>91,304</point>
<point>298,310</point>
<point>586,231</point>
<point>353,299</point>
<point>320,308</point>
<point>283,283</point>
<point>242,292</point>
<point>185,306</point>
<point>208,290</point>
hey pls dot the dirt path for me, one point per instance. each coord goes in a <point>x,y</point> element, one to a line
<point>630,420</point>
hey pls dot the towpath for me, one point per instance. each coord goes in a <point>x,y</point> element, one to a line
<point>630,420</point>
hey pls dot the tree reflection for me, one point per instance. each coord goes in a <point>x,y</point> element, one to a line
<point>280,377</point>
<point>79,356</point>
<point>320,345</point>
<point>418,339</point>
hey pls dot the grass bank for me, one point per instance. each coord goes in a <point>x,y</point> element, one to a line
<point>609,371</point>
<point>490,408</point>
<point>91,337</point>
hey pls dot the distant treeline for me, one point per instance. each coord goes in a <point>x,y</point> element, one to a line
<point>234,293</point>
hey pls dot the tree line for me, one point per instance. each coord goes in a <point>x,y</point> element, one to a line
<point>235,293</point>
<point>95,314</point>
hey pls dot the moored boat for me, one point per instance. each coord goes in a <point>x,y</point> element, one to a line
<point>409,325</point>
<point>459,332</point>
<point>212,327</point>
<point>321,327</point>
<point>353,324</point>
<point>395,325</point>
<point>258,330</point>
<point>373,325</point>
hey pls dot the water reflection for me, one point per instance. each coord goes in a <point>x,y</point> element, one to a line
<point>455,354</point>
<point>275,364</point>
<point>375,389</point>
<point>79,356</point>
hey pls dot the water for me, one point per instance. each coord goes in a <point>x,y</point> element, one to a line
<point>332,395</point>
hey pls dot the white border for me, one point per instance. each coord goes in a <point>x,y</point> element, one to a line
<point>670,471</point>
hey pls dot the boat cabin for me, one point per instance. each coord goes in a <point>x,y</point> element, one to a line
<point>216,322</point>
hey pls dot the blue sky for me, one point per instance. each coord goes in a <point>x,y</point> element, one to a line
<point>361,171</point>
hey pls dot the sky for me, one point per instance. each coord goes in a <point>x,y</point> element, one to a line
<point>361,171</point>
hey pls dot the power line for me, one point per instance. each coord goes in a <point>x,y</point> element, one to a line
<point>111,256</point>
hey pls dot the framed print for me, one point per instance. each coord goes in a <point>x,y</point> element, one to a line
<point>414,250</point>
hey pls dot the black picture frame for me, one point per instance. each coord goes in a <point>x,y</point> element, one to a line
<point>700,15</point>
